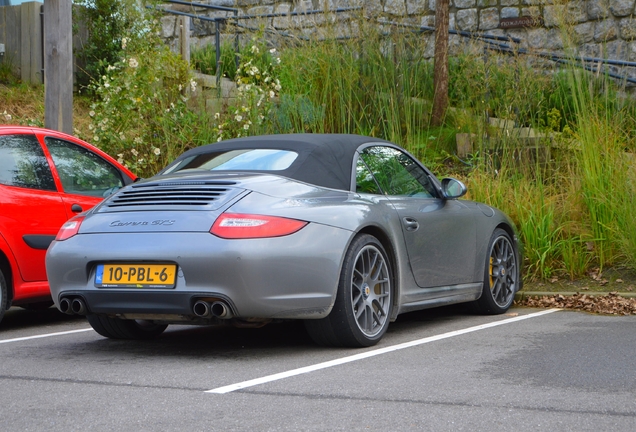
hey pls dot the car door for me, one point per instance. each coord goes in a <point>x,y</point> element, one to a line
<point>31,209</point>
<point>439,234</point>
<point>86,178</point>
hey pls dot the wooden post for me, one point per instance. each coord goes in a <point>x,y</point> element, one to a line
<point>58,66</point>
<point>184,37</point>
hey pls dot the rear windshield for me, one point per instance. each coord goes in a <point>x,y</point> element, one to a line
<point>237,160</point>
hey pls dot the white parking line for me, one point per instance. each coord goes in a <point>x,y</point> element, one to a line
<point>44,335</point>
<point>336,362</point>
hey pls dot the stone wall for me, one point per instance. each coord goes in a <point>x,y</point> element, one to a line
<point>598,28</point>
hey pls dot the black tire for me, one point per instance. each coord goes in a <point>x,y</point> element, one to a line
<point>115,328</point>
<point>362,309</point>
<point>4,292</point>
<point>501,275</point>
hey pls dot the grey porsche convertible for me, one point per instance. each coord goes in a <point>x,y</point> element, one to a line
<point>344,232</point>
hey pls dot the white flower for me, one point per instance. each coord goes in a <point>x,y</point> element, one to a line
<point>238,118</point>
<point>124,41</point>
<point>217,116</point>
<point>95,138</point>
<point>134,152</point>
<point>106,85</point>
<point>92,113</point>
<point>6,115</point>
<point>193,85</point>
<point>138,140</point>
<point>246,126</point>
<point>255,49</point>
<point>272,51</point>
<point>272,94</point>
<point>120,157</point>
<point>156,151</point>
<point>133,62</point>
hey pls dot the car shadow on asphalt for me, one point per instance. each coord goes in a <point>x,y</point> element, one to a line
<point>224,341</point>
<point>17,318</point>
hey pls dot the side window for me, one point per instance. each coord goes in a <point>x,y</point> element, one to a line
<point>397,173</point>
<point>23,164</point>
<point>365,183</point>
<point>81,171</point>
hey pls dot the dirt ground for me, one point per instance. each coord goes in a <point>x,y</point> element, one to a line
<point>609,292</point>
<point>596,281</point>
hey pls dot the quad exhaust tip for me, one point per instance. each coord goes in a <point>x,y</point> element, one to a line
<point>78,307</point>
<point>73,306</point>
<point>65,306</point>
<point>217,309</point>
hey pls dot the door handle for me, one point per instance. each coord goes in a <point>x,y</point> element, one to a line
<point>410,224</point>
<point>76,208</point>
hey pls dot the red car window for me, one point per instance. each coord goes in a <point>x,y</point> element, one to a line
<point>81,171</point>
<point>23,164</point>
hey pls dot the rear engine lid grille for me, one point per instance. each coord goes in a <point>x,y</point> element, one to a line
<point>173,195</point>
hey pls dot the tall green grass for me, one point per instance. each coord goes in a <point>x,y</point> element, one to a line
<point>571,195</point>
<point>605,168</point>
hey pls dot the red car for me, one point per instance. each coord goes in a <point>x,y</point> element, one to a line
<point>46,177</point>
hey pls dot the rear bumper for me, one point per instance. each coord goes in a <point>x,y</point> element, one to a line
<point>295,276</point>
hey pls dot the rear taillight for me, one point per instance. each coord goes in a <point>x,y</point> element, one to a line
<point>69,229</point>
<point>246,226</point>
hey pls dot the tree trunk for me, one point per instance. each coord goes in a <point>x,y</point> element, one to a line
<point>440,65</point>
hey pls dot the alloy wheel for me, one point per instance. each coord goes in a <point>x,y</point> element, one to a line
<point>370,291</point>
<point>503,271</point>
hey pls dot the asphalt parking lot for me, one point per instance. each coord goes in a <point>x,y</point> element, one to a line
<point>441,369</point>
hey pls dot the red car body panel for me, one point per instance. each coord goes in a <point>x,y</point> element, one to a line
<point>30,218</point>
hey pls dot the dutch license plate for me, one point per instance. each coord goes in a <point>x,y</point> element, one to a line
<point>135,275</point>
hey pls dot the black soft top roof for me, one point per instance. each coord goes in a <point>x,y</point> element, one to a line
<point>323,159</point>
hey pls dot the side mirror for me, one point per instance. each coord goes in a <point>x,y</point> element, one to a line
<point>453,188</point>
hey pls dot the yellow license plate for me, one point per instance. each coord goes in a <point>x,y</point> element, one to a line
<point>135,275</point>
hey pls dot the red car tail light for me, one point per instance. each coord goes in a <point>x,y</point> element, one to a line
<point>70,228</point>
<point>246,226</point>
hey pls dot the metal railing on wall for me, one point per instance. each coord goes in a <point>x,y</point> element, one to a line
<point>492,42</point>
<point>498,43</point>
<point>220,21</point>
